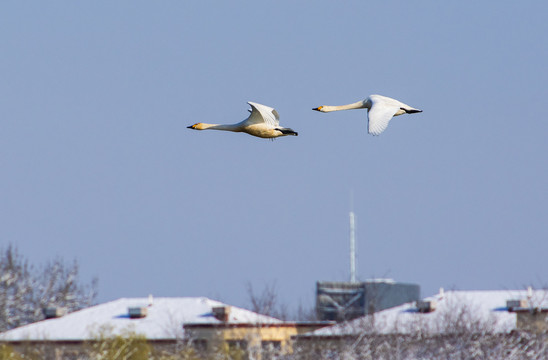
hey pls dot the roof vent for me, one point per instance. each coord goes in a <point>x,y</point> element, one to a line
<point>221,312</point>
<point>442,293</point>
<point>137,312</point>
<point>54,312</point>
<point>426,306</point>
<point>516,304</point>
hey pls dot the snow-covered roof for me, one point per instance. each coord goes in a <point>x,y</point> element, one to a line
<point>477,310</point>
<point>164,320</point>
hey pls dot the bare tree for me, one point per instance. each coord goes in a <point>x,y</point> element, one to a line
<point>16,294</point>
<point>25,290</point>
<point>306,313</point>
<point>266,302</point>
<point>58,285</point>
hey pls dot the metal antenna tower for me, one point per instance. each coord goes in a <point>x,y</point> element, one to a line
<point>352,241</point>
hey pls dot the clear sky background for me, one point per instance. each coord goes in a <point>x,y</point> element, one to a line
<point>97,163</point>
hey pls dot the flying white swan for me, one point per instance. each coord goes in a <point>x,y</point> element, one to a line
<point>263,122</point>
<point>380,110</point>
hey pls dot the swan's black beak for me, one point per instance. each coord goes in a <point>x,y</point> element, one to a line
<point>190,127</point>
<point>317,109</point>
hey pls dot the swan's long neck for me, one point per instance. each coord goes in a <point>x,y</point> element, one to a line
<point>225,127</point>
<point>357,105</point>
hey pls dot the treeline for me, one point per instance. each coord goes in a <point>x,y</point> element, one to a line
<point>517,345</point>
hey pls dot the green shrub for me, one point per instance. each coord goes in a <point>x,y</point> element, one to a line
<point>7,353</point>
<point>127,346</point>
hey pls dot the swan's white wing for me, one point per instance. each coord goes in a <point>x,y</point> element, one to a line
<point>379,116</point>
<point>263,114</point>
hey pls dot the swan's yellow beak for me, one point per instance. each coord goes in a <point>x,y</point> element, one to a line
<point>192,126</point>
<point>319,108</point>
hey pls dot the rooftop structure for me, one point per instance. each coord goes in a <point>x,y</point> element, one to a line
<point>341,301</point>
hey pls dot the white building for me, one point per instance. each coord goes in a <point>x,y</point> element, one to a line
<point>168,324</point>
<point>500,324</point>
<point>160,320</point>
<point>496,311</point>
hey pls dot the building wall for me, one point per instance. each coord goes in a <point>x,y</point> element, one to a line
<point>532,321</point>
<point>252,338</point>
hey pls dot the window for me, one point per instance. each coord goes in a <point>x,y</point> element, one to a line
<point>237,349</point>
<point>269,345</point>
<point>271,349</point>
<point>237,344</point>
<point>200,345</point>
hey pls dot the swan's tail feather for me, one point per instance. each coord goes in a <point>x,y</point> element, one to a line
<point>287,131</point>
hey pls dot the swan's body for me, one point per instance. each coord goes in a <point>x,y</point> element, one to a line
<point>263,122</point>
<point>380,110</point>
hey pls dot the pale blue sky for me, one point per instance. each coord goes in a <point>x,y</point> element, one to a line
<point>97,163</point>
